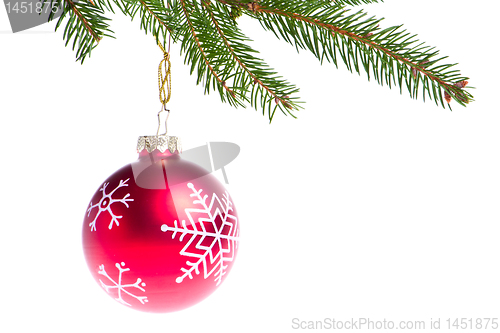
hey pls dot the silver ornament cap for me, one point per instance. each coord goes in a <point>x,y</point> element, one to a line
<point>160,142</point>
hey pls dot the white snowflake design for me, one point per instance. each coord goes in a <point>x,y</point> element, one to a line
<point>105,204</point>
<point>222,240</point>
<point>121,287</point>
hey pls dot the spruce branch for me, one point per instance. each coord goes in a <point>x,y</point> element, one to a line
<point>198,47</point>
<point>86,24</point>
<point>354,2</point>
<point>217,50</point>
<point>156,18</point>
<point>248,70</point>
<point>390,54</point>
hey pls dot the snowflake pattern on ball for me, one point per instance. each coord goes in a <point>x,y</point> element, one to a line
<point>216,245</point>
<point>105,204</point>
<point>122,287</point>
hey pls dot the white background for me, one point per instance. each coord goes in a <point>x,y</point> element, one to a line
<point>370,204</point>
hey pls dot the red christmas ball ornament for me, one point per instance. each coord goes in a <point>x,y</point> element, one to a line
<point>161,233</point>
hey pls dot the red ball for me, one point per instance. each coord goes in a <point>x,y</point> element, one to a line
<point>160,234</point>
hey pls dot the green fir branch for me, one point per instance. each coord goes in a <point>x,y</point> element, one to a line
<point>392,55</point>
<point>354,2</point>
<point>85,25</point>
<point>202,53</point>
<point>156,18</point>
<point>241,65</point>
<point>217,50</point>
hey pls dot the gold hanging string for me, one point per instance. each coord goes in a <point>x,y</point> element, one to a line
<point>164,77</point>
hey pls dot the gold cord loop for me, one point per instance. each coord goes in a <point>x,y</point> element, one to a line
<point>164,78</point>
<point>164,85</point>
